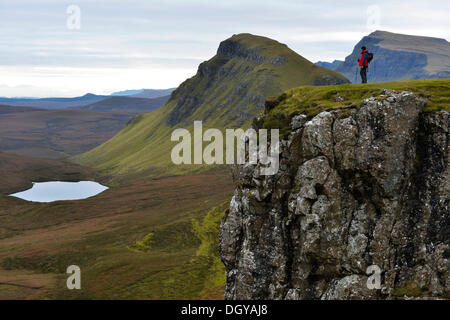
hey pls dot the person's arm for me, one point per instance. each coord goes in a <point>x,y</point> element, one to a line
<point>365,55</point>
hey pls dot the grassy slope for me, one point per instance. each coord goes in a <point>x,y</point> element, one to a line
<point>230,95</point>
<point>313,100</point>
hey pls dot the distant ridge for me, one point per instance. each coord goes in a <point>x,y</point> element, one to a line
<point>400,57</point>
<point>153,93</point>
<point>126,93</point>
<point>144,93</point>
<point>126,104</point>
<point>329,65</point>
<point>89,100</point>
<point>53,103</point>
<point>56,133</point>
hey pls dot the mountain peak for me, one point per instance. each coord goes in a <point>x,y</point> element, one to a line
<point>252,40</point>
<point>391,36</point>
<point>234,82</point>
<point>381,33</point>
<point>228,91</point>
<point>88,95</point>
<point>252,48</point>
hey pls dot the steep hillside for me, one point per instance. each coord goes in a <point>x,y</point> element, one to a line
<point>126,104</point>
<point>227,91</point>
<point>363,182</point>
<point>400,57</point>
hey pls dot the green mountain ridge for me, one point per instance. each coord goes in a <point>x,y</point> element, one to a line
<point>228,90</point>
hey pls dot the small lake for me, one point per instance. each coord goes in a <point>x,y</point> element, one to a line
<point>60,190</point>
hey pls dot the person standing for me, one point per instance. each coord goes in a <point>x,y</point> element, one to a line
<point>364,64</point>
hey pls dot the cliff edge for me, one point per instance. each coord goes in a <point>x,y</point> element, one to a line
<point>358,187</point>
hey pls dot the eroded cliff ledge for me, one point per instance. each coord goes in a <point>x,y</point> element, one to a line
<point>356,187</point>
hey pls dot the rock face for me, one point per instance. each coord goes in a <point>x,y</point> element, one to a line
<point>369,187</point>
<point>399,57</point>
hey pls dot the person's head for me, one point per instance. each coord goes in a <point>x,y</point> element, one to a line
<point>363,48</point>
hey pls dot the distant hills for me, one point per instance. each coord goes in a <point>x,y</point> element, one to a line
<point>153,93</point>
<point>398,57</point>
<point>126,104</point>
<point>137,101</point>
<point>227,91</point>
<point>126,93</point>
<point>56,133</point>
<point>329,65</point>
<point>68,126</point>
<point>54,103</point>
<point>144,93</point>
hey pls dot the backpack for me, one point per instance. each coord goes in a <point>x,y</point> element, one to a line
<point>369,57</point>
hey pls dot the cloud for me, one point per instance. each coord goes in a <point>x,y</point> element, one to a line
<point>168,39</point>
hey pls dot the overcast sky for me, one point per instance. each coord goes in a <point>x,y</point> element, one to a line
<point>137,44</point>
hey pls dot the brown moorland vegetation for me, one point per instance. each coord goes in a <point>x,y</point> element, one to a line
<point>100,234</point>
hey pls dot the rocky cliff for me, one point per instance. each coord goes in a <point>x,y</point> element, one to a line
<point>357,187</point>
<point>399,57</point>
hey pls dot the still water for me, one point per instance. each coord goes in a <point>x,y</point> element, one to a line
<point>59,190</point>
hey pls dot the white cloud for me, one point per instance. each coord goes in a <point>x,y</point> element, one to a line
<point>142,43</point>
<point>66,81</point>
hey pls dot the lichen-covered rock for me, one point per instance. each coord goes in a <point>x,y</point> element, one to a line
<point>355,189</point>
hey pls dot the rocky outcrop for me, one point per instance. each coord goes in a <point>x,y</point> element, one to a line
<point>232,48</point>
<point>357,188</point>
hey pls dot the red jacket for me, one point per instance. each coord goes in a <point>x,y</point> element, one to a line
<point>364,56</point>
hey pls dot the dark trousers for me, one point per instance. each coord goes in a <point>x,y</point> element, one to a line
<point>363,74</point>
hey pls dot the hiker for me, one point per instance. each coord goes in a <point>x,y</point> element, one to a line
<point>364,64</point>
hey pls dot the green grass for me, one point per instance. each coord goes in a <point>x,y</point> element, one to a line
<point>156,239</point>
<point>207,231</point>
<point>312,100</point>
<point>202,234</point>
<point>412,289</point>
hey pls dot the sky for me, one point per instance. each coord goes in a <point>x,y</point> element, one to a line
<point>62,48</point>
